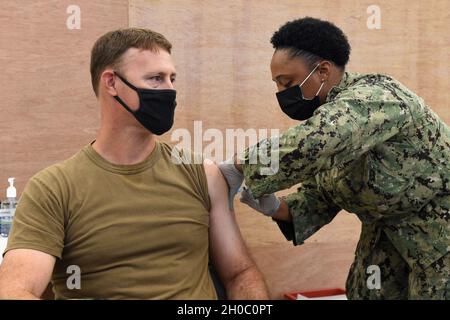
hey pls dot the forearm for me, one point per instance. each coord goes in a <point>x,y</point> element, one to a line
<point>336,134</point>
<point>303,213</point>
<point>16,294</point>
<point>258,181</point>
<point>25,274</point>
<point>247,285</point>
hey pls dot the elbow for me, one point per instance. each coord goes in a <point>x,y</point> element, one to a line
<point>9,291</point>
<point>13,294</point>
<point>247,284</point>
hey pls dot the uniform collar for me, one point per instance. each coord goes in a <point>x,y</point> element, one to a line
<point>348,78</point>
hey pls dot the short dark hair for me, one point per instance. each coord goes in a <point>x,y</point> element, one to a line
<point>314,40</point>
<point>109,48</point>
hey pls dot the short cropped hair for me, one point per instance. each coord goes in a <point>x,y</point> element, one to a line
<point>109,48</point>
<point>314,40</point>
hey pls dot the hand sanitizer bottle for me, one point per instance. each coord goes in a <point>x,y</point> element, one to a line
<point>7,209</point>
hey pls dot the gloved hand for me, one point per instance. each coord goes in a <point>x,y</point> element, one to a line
<point>234,178</point>
<point>267,204</point>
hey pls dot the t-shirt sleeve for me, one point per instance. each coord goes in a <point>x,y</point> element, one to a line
<point>38,222</point>
<point>198,173</point>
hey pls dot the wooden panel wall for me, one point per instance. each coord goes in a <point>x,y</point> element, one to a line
<point>48,110</point>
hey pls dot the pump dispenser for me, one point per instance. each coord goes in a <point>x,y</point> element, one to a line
<point>7,209</point>
<point>11,194</point>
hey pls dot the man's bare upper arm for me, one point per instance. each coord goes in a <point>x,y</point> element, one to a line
<point>25,271</point>
<point>228,250</point>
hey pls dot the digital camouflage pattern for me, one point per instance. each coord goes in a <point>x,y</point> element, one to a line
<point>374,149</point>
<point>396,279</point>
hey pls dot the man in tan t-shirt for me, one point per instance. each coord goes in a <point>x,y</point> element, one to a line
<point>128,217</point>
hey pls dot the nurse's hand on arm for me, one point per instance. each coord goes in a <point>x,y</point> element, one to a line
<point>234,177</point>
<point>269,205</point>
<point>338,133</point>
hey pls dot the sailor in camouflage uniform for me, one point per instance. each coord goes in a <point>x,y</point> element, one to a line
<point>369,146</point>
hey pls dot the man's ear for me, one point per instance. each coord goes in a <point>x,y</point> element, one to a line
<point>108,82</point>
<point>324,70</point>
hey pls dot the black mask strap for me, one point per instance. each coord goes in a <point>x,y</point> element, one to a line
<point>125,81</point>
<point>123,104</point>
<point>119,99</point>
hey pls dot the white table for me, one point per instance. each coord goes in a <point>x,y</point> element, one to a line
<point>3,242</point>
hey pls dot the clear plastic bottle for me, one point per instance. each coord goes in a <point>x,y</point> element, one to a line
<point>7,209</point>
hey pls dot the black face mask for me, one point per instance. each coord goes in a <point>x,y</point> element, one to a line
<point>156,107</point>
<point>295,105</point>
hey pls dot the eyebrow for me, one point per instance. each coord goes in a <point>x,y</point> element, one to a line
<point>152,74</point>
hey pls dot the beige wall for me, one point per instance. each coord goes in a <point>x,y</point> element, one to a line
<point>222,51</point>
<point>47,107</point>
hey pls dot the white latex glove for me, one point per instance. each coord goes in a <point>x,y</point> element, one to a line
<point>267,204</point>
<point>234,178</point>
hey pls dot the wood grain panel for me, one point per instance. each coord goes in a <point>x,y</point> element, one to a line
<point>48,109</point>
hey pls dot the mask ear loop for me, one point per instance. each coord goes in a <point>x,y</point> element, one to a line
<point>125,81</point>
<point>309,75</point>
<point>118,99</point>
<point>323,82</point>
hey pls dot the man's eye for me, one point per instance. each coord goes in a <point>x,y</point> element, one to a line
<point>173,80</point>
<point>156,78</point>
<point>288,85</point>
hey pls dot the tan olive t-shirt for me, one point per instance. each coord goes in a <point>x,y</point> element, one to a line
<point>134,231</point>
